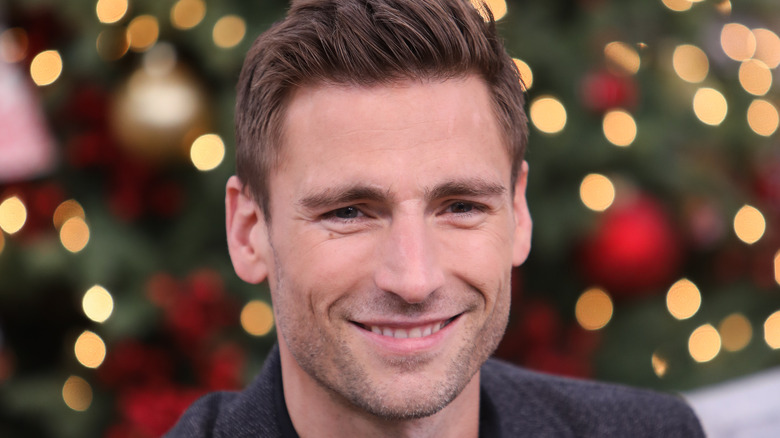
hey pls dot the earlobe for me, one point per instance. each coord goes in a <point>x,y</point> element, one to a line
<point>523,223</point>
<point>247,235</point>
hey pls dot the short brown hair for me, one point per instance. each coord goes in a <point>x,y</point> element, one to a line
<point>365,43</point>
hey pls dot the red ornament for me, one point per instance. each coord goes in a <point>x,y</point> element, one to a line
<point>602,91</point>
<point>634,250</point>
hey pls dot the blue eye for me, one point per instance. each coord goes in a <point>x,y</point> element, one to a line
<point>346,213</point>
<point>461,207</point>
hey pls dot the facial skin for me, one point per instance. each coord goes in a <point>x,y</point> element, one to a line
<point>393,231</point>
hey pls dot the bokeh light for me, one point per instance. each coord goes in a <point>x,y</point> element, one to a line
<point>229,31</point>
<point>526,75</point>
<point>74,234</point>
<point>678,5</point>
<point>683,299</point>
<point>597,192</point>
<point>2,245</point>
<point>13,215</point>
<point>13,45</point>
<point>111,11</point>
<point>207,152</point>
<point>77,393</point>
<point>619,127</point>
<point>749,224</point>
<point>724,7</point>
<point>660,364</point>
<point>68,209</point>
<point>257,318</point>
<point>593,309</point>
<point>142,32</point>
<point>735,332</point>
<point>112,43</point>
<point>690,63</point>
<point>497,7</point>
<point>755,77</point>
<point>622,58</point>
<point>737,41</point>
<point>772,330</point>
<point>46,67</point>
<point>762,117</point>
<point>777,268</point>
<point>97,304</point>
<point>90,349</point>
<point>548,114</point>
<point>186,14</point>
<point>710,106</point>
<point>767,47</point>
<point>704,343</point>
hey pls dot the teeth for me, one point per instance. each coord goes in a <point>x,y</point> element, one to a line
<point>416,332</point>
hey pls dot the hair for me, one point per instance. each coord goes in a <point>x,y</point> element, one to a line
<point>367,43</point>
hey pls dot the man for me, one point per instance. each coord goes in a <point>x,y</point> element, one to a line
<point>381,192</point>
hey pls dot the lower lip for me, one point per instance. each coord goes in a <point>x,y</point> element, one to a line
<point>409,346</point>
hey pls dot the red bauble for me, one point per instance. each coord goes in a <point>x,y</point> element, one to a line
<point>602,91</point>
<point>634,251</point>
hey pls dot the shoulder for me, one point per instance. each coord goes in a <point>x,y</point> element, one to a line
<point>524,400</point>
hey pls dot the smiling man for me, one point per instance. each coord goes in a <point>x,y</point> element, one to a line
<point>381,193</point>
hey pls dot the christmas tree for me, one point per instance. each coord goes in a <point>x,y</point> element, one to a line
<point>654,189</point>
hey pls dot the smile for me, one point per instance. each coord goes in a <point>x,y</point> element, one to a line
<point>407,332</point>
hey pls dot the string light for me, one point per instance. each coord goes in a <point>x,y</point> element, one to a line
<point>710,106</point>
<point>749,224</point>
<point>13,215</point>
<point>207,152</point>
<point>548,114</point>
<point>90,349</point>
<point>690,63</point>
<point>762,117</point>
<point>755,77</point>
<point>660,364</point>
<point>229,31</point>
<point>772,330</point>
<point>593,309</point>
<point>526,75</point>
<point>597,192</point>
<point>186,14</point>
<point>767,47</point>
<point>77,393</point>
<point>46,67</point>
<point>142,32</point>
<point>678,5</point>
<point>704,343</point>
<point>257,318</point>
<point>97,304</point>
<point>111,11</point>
<point>683,299</point>
<point>13,45</point>
<point>74,234</point>
<point>619,127</point>
<point>622,58</point>
<point>735,331</point>
<point>737,41</point>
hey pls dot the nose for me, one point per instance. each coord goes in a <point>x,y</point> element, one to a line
<point>408,263</point>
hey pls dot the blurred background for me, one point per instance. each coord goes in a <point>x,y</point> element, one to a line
<point>654,188</point>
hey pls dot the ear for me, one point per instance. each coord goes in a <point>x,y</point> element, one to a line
<point>523,224</point>
<point>247,233</point>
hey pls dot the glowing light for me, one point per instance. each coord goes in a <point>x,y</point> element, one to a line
<point>77,393</point>
<point>660,364</point>
<point>257,318</point>
<point>13,215</point>
<point>597,192</point>
<point>704,343</point>
<point>724,7</point>
<point>683,299</point>
<point>68,209</point>
<point>619,127</point>
<point>207,152</point>
<point>2,245</point>
<point>593,309</point>
<point>112,44</point>
<point>690,63</point>
<point>229,31</point>
<point>749,224</point>
<point>13,45</point>
<point>735,331</point>
<point>142,32</point>
<point>772,330</point>
<point>526,75</point>
<point>46,67</point>
<point>762,117</point>
<point>710,106</point>
<point>678,5</point>
<point>777,267</point>
<point>622,57</point>
<point>97,304</point>
<point>111,11</point>
<point>90,349</point>
<point>497,7</point>
<point>187,14</point>
<point>548,114</point>
<point>74,234</point>
<point>767,47</point>
<point>755,77</point>
<point>737,41</point>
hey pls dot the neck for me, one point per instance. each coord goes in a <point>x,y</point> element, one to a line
<point>317,412</point>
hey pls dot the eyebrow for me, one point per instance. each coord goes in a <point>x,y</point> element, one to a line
<point>472,187</point>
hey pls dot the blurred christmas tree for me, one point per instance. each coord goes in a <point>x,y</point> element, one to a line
<point>654,187</point>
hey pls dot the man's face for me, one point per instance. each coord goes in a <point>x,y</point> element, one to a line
<point>392,236</point>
